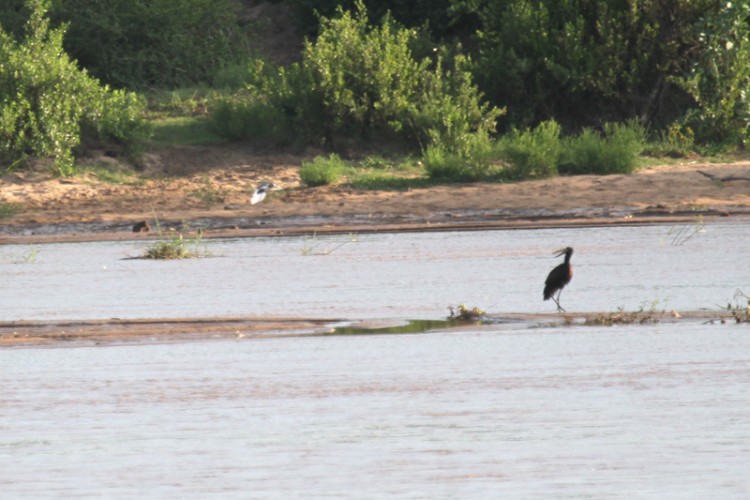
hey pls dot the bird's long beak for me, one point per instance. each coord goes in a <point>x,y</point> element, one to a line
<point>560,252</point>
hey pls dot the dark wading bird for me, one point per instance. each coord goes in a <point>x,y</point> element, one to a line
<point>260,193</point>
<point>559,277</point>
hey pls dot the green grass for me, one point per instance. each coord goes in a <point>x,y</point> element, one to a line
<point>182,102</point>
<point>184,131</point>
<point>385,182</point>
<point>115,176</point>
<point>9,209</point>
<point>381,174</point>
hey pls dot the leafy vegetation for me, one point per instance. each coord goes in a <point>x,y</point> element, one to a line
<point>533,153</point>
<point>581,62</point>
<point>48,105</point>
<point>616,151</point>
<point>362,81</point>
<point>585,83</point>
<point>154,44</point>
<point>461,312</point>
<point>322,171</point>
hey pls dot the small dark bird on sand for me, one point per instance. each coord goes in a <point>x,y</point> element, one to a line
<point>260,193</point>
<point>559,277</point>
<point>141,227</point>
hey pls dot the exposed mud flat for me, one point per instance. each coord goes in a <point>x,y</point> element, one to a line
<point>82,208</point>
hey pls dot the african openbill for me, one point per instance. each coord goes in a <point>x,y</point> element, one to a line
<point>559,277</point>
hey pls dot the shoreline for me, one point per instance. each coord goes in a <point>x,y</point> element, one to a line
<point>105,332</point>
<point>217,201</point>
<point>213,227</point>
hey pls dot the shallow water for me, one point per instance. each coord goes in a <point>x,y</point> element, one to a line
<point>503,410</point>
<point>403,275</point>
<point>656,411</point>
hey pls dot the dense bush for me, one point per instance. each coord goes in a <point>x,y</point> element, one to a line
<point>532,153</point>
<point>321,171</point>
<point>47,104</point>
<point>718,77</point>
<point>146,44</point>
<point>615,151</point>
<point>362,81</point>
<point>473,161</point>
<point>442,17</point>
<point>369,81</point>
<point>583,62</point>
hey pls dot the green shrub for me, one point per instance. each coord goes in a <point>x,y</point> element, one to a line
<point>321,171</point>
<point>718,76</point>
<point>156,43</point>
<point>577,62</point>
<point>470,161</point>
<point>47,104</point>
<point>614,152</point>
<point>362,81</point>
<point>370,81</point>
<point>677,141</point>
<point>532,153</point>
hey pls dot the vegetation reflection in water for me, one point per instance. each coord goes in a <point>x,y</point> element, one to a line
<point>412,326</point>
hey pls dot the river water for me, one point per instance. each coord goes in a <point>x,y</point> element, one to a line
<point>404,275</point>
<point>498,411</point>
<point>658,411</point>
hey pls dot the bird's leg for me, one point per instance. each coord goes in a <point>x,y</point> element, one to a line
<point>557,301</point>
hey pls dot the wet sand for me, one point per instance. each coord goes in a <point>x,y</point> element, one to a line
<point>160,330</point>
<point>82,208</point>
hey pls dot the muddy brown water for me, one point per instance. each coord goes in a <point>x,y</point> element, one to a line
<point>507,410</point>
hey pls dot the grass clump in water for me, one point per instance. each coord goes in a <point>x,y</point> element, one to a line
<point>462,312</point>
<point>177,247</point>
<point>740,312</point>
<point>623,317</point>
